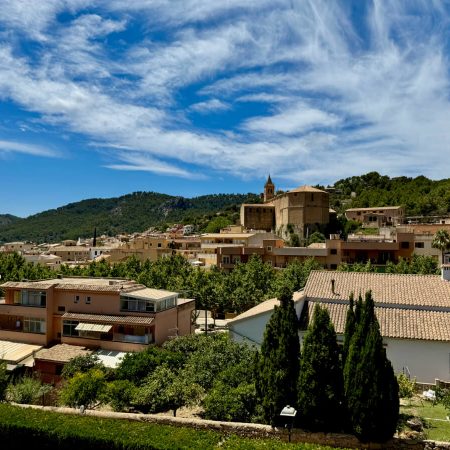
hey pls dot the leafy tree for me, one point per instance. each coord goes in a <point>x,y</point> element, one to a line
<point>441,241</point>
<point>249,284</point>
<point>278,364</point>
<point>136,366</point>
<point>164,389</point>
<point>316,237</point>
<point>235,404</point>
<point>119,394</point>
<point>85,389</point>
<point>320,385</point>
<point>81,364</point>
<point>372,390</point>
<point>216,224</point>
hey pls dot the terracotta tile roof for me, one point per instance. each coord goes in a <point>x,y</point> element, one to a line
<point>306,189</point>
<point>263,307</point>
<point>376,208</point>
<point>61,353</point>
<point>396,322</point>
<point>109,319</point>
<point>428,292</point>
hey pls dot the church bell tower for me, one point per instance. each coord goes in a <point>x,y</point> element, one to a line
<point>269,190</point>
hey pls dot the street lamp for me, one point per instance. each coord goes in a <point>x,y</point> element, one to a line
<point>289,412</point>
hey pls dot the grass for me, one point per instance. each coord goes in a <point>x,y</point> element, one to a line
<point>437,427</point>
<point>22,427</point>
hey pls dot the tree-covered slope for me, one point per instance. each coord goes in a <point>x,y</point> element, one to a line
<point>419,196</point>
<point>7,219</point>
<point>130,213</point>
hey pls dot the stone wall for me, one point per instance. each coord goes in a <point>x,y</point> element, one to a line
<point>252,430</point>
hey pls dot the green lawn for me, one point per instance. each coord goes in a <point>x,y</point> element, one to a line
<point>434,416</point>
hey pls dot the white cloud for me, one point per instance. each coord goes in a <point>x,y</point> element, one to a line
<point>29,149</point>
<point>210,106</point>
<point>342,100</point>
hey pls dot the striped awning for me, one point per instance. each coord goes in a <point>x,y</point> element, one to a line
<point>93,327</point>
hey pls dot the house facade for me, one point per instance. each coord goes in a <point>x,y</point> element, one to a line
<point>111,314</point>
<point>413,312</point>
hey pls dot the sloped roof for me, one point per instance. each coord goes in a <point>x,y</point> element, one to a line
<point>396,322</point>
<point>109,319</point>
<point>306,189</point>
<point>263,307</point>
<point>414,291</point>
<point>61,353</point>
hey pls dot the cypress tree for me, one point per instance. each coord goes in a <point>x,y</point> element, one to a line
<point>355,344</point>
<point>350,324</point>
<point>320,386</point>
<point>372,400</point>
<point>278,363</point>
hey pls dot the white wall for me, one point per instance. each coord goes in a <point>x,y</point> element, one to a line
<point>426,360</point>
<point>251,330</point>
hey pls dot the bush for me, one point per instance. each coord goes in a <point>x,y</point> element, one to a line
<point>406,387</point>
<point>27,390</point>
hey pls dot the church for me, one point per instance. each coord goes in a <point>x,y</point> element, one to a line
<point>302,211</point>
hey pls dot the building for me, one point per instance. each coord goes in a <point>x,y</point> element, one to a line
<point>377,217</point>
<point>413,312</point>
<point>111,314</point>
<point>16,247</point>
<point>302,210</point>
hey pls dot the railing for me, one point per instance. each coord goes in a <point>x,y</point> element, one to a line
<point>131,338</point>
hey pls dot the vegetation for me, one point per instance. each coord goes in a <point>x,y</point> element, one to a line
<point>441,241</point>
<point>371,388</point>
<point>320,385</point>
<point>278,364</point>
<point>130,213</point>
<point>420,196</point>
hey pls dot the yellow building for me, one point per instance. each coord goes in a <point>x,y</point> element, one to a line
<point>302,210</point>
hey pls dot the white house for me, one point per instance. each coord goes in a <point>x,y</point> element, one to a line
<point>413,312</point>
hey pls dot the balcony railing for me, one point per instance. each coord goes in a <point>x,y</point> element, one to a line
<point>133,339</point>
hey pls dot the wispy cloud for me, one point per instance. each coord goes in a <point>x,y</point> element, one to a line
<point>209,106</point>
<point>339,96</point>
<point>29,149</point>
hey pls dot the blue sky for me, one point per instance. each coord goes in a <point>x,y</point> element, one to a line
<point>190,97</point>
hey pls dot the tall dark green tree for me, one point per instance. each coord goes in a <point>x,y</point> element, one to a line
<point>277,367</point>
<point>372,392</point>
<point>350,324</point>
<point>320,385</point>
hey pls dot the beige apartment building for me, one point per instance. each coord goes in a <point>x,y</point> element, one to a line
<point>303,210</point>
<point>377,217</point>
<point>111,314</point>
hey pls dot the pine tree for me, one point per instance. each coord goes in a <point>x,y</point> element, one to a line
<point>372,391</point>
<point>278,363</point>
<point>320,387</point>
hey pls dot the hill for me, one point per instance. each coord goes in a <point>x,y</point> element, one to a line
<point>134,212</point>
<point>7,219</point>
<point>420,196</point>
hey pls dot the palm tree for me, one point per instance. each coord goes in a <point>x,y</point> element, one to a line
<point>441,241</point>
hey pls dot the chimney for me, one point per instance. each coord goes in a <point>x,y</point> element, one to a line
<point>445,272</point>
<point>332,285</point>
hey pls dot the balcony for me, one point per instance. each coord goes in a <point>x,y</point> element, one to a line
<point>133,339</point>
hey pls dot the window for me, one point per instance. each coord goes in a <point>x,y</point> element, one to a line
<point>88,300</point>
<point>31,325</point>
<point>419,244</point>
<point>69,328</point>
<point>61,308</point>
<point>159,244</point>
<point>133,304</point>
<point>76,299</point>
<point>225,259</point>
<point>333,251</point>
<point>404,244</point>
<point>33,298</point>
<point>269,248</point>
